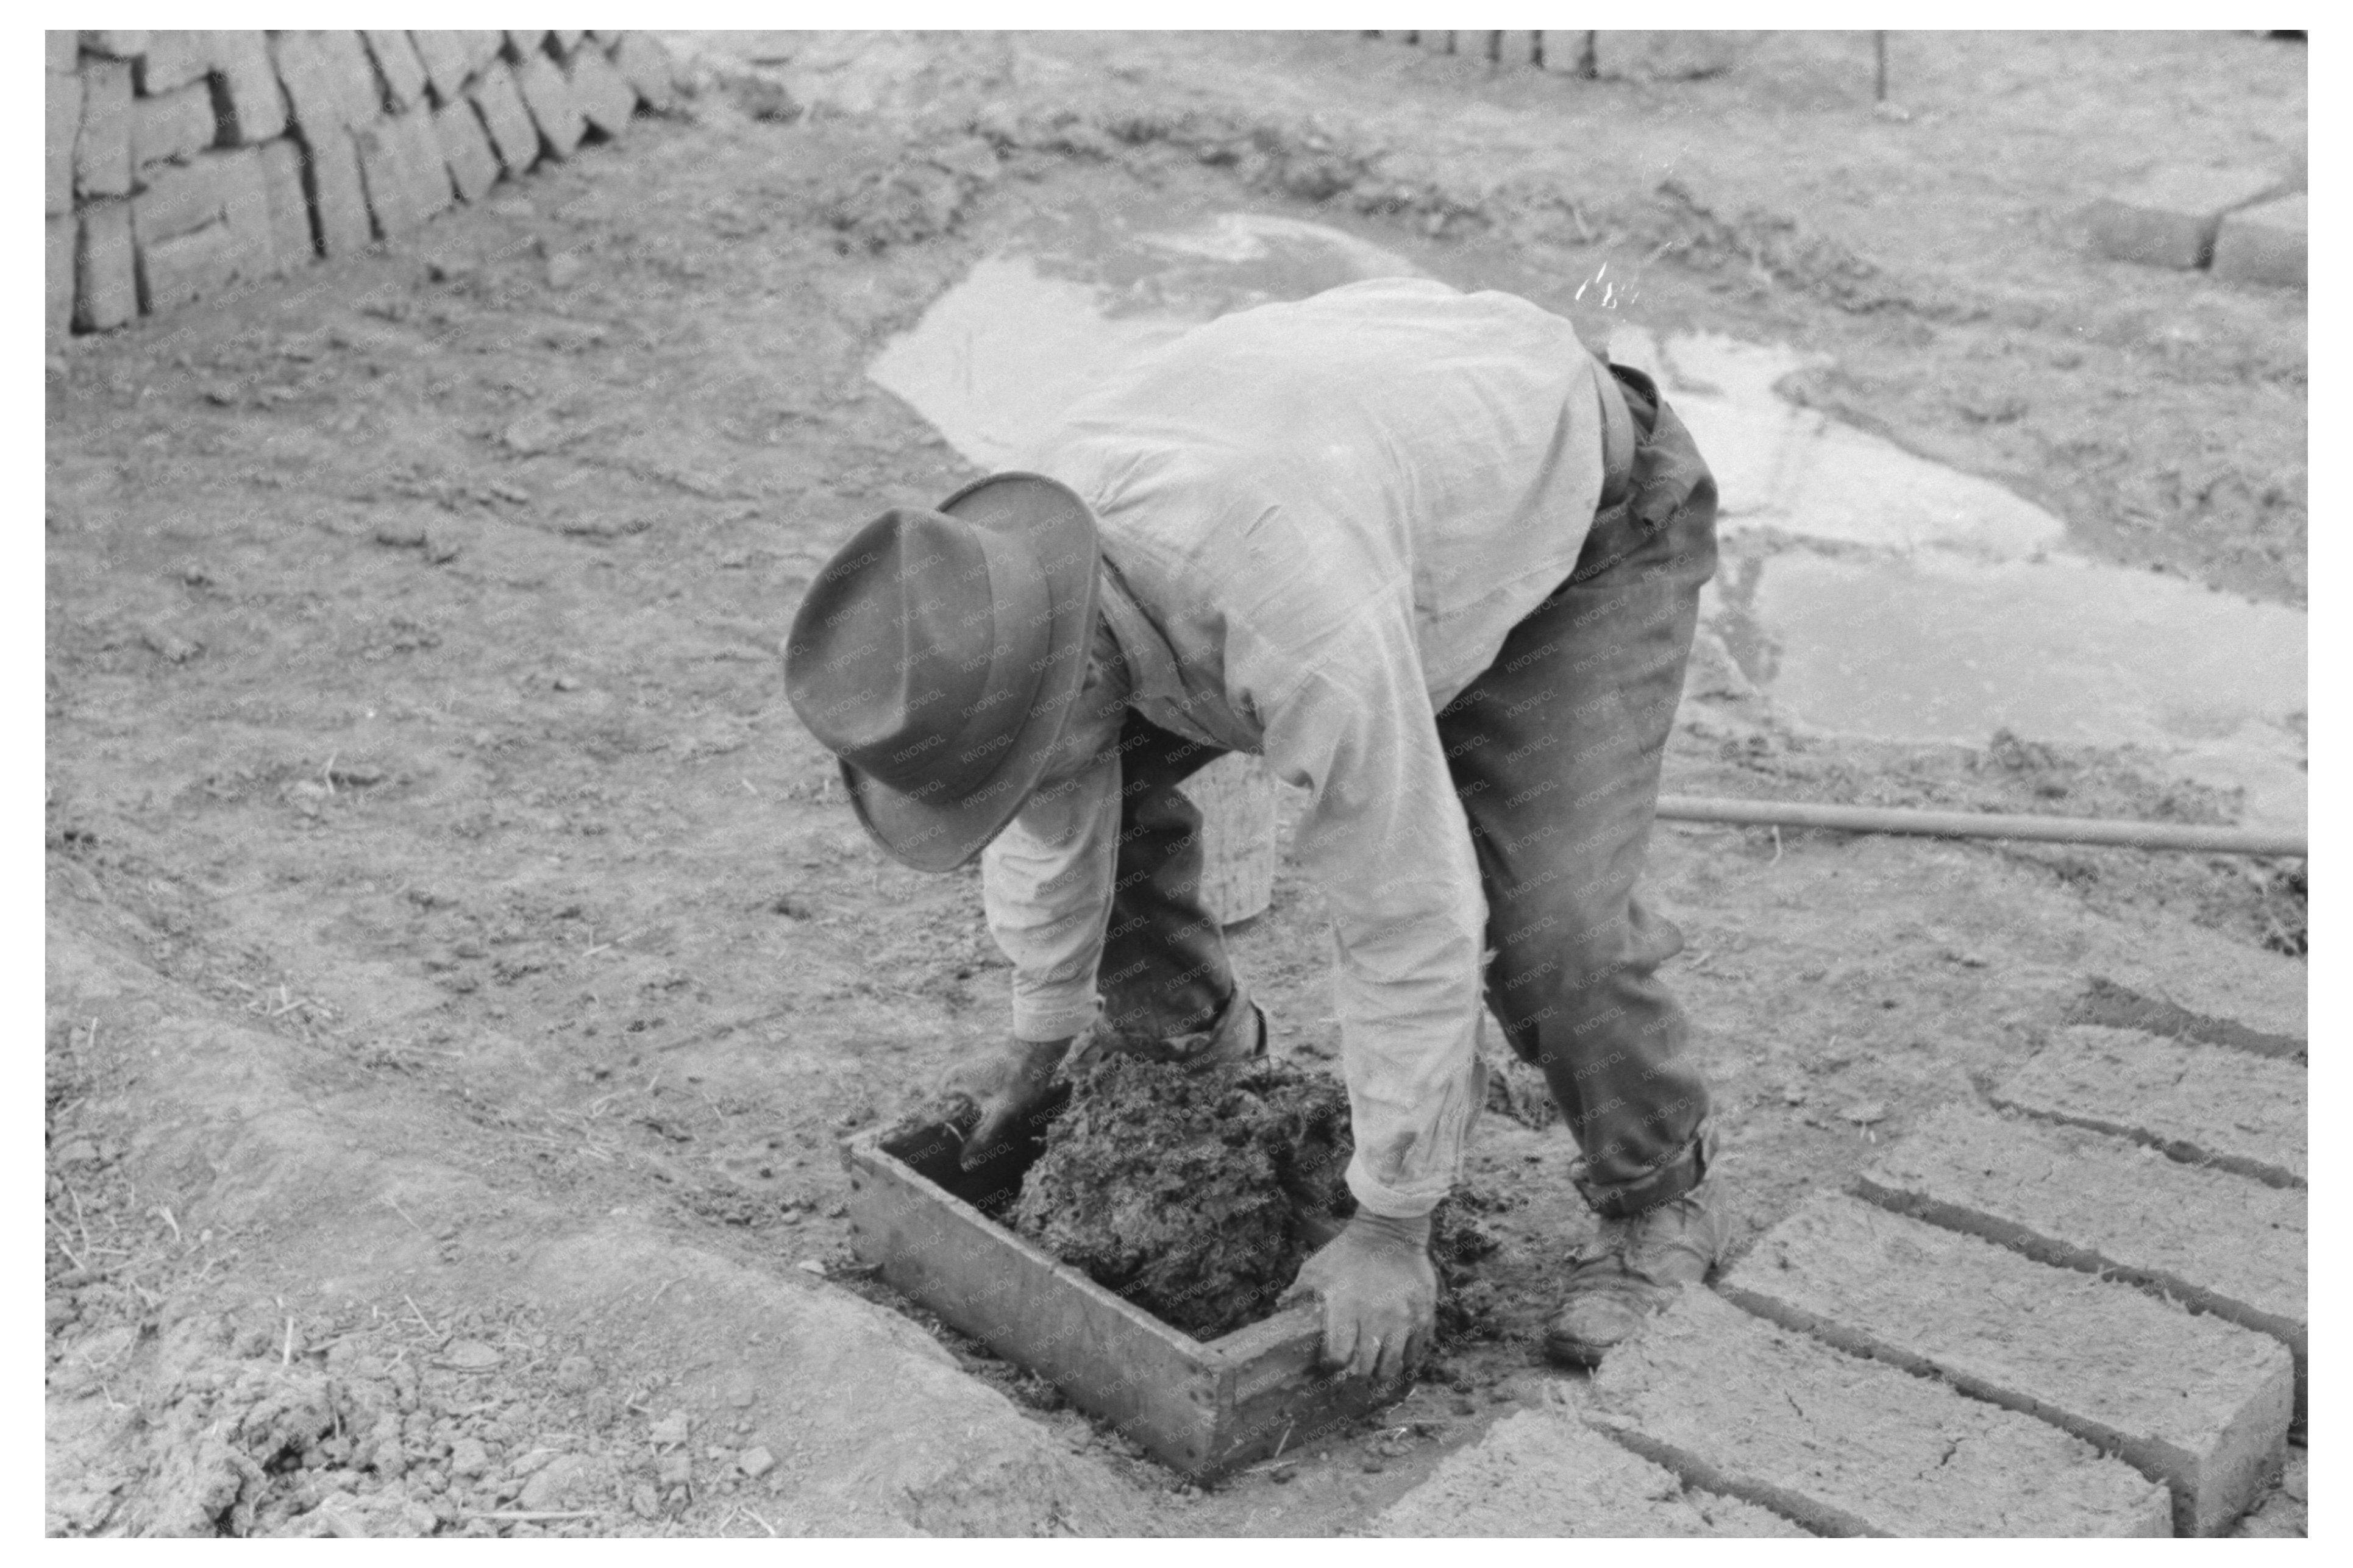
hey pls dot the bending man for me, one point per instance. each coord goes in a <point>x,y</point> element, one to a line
<point>1441,568</point>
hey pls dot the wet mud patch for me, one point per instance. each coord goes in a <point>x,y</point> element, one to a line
<point>1469,1307</point>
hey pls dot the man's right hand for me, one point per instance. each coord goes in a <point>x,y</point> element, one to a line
<point>1379,1292</point>
<point>1003,1086</point>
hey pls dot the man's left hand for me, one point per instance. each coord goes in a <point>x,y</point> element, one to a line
<point>1379,1292</point>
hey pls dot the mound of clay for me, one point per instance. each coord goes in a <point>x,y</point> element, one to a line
<point>1192,1194</point>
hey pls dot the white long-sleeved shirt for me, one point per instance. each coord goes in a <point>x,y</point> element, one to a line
<point>1319,522</point>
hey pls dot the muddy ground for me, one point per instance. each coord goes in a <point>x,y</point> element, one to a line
<point>461,965</point>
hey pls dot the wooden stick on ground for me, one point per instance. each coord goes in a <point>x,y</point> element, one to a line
<point>531,1516</point>
<point>1982,825</point>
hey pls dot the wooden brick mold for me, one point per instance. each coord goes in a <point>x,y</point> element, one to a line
<point>1203,1408</point>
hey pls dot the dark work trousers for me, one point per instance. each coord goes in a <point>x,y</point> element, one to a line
<point>1555,751</point>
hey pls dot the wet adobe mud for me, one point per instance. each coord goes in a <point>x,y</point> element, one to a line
<point>1195,1194</point>
<point>1199,1195</point>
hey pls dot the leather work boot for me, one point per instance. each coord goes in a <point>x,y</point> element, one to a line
<point>1633,1270</point>
<point>1238,1034</point>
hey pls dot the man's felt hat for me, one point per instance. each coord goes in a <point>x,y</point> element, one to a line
<point>938,656</point>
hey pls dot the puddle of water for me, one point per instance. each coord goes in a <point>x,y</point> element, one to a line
<point>1938,646</point>
<point>994,363</point>
<point>1962,613</point>
<point>997,358</point>
<point>1800,472</point>
<point>1869,591</point>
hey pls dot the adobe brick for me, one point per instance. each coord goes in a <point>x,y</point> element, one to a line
<point>466,149</point>
<point>1520,46</point>
<point>352,74</point>
<point>1678,53</point>
<point>446,58</point>
<point>106,285</point>
<point>116,44</point>
<point>2170,219</point>
<point>102,149</point>
<point>331,169</point>
<point>2194,1403</point>
<point>314,100</point>
<point>1850,1446</point>
<point>2216,1242</point>
<point>2267,242</point>
<point>2206,1104</point>
<point>1491,44</point>
<point>257,104</point>
<point>604,100</point>
<point>62,101</point>
<point>483,46</point>
<point>172,127</point>
<point>245,196</point>
<point>174,58</point>
<point>397,62</point>
<point>2102,1000</point>
<point>290,237</point>
<point>429,171</point>
<point>514,137</point>
<point>645,64</point>
<point>58,273</point>
<point>189,267</point>
<point>1542,1472</point>
<point>179,199</point>
<point>395,196</point>
<point>1564,50</point>
<point>549,98</point>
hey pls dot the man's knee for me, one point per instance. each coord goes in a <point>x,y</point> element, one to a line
<point>1577,980</point>
<point>1568,939</point>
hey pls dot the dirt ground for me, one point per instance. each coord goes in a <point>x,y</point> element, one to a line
<point>462,963</point>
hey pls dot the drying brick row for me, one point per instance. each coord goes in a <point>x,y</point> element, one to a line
<point>2200,1103</point>
<point>1542,1472</point>
<point>2213,1240</point>
<point>1622,54</point>
<point>2198,1403</point>
<point>1845,1446</point>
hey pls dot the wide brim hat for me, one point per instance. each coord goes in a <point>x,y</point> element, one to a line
<point>1038,533</point>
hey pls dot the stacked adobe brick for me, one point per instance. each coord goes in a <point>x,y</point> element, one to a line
<point>1675,55</point>
<point>2244,225</point>
<point>180,162</point>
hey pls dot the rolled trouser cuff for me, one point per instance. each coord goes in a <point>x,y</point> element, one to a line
<point>1058,1013</point>
<point>1663,1183</point>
